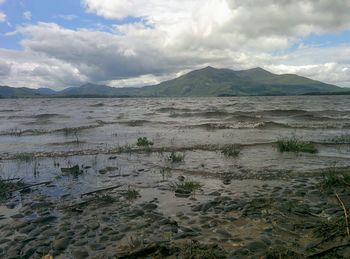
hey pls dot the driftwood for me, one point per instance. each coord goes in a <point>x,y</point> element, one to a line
<point>330,249</point>
<point>345,213</point>
<point>101,190</point>
<point>31,185</point>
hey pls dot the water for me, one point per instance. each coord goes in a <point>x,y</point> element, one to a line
<point>50,128</point>
<point>101,134</point>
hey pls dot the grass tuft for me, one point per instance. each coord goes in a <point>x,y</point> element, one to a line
<point>176,157</point>
<point>296,145</point>
<point>231,151</point>
<point>144,142</point>
<point>189,187</point>
<point>132,194</point>
<point>334,177</point>
<point>27,157</point>
<point>343,139</point>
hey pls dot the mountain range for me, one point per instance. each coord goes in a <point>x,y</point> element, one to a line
<point>208,81</point>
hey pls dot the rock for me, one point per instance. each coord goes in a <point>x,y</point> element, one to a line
<point>214,194</point>
<point>186,235</point>
<point>97,247</point>
<point>169,228</point>
<point>4,240</point>
<point>256,246</point>
<point>315,210</point>
<point>60,244</point>
<point>223,232</point>
<point>80,254</point>
<point>17,216</point>
<point>149,206</point>
<point>181,178</point>
<point>44,219</point>
<point>123,228</point>
<point>94,225</point>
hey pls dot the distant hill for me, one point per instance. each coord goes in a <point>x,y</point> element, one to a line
<point>208,81</point>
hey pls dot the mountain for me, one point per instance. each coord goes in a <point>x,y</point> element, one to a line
<point>208,81</point>
<point>45,91</point>
<point>10,92</point>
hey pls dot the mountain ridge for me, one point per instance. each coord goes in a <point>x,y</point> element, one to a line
<point>207,81</point>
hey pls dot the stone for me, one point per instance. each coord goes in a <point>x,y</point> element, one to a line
<point>80,254</point>
<point>149,206</point>
<point>97,247</point>
<point>60,244</point>
<point>223,232</point>
<point>256,246</point>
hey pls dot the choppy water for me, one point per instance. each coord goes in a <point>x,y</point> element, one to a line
<point>45,125</point>
<point>100,125</point>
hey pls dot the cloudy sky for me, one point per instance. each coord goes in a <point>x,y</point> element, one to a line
<point>61,43</point>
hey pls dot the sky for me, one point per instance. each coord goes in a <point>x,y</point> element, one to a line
<point>65,43</point>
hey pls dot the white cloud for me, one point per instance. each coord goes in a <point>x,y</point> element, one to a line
<point>2,17</point>
<point>176,36</point>
<point>27,15</point>
<point>67,17</point>
<point>2,1</point>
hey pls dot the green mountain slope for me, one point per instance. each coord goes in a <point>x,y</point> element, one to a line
<point>208,81</point>
<point>220,82</point>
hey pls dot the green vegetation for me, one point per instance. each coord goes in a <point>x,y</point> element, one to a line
<point>296,145</point>
<point>72,131</point>
<point>334,177</point>
<point>165,173</point>
<point>132,194</point>
<point>208,81</point>
<point>7,187</point>
<point>231,151</point>
<point>330,229</point>
<point>176,157</point>
<point>186,187</point>
<point>195,250</point>
<point>27,157</point>
<point>343,139</point>
<point>144,142</point>
<point>74,171</point>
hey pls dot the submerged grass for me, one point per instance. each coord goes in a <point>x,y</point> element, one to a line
<point>176,157</point>
<point>144,142</point>
<point>132,194</point>
<point>189,187</point>
<point>296,145</point>
<point>7,187</point>
<point>27,157</point>
<point>343,139</point>
<point>333,177</point>
<point>232,151</point>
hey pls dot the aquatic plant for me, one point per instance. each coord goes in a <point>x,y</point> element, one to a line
<point>7,186</point>
<point>144,142</point>
<point>333,177</point>
<point>132,194</point>
<point>27,157</point>
<point>176,157</point>
<point>343,139</point>
<point>296,145</point>
<point>195,250</point>
<point>231,151</point>
<point>186,187</point>
<point>165,173</point>
<point>74,171</point>
<point>72,131</point>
